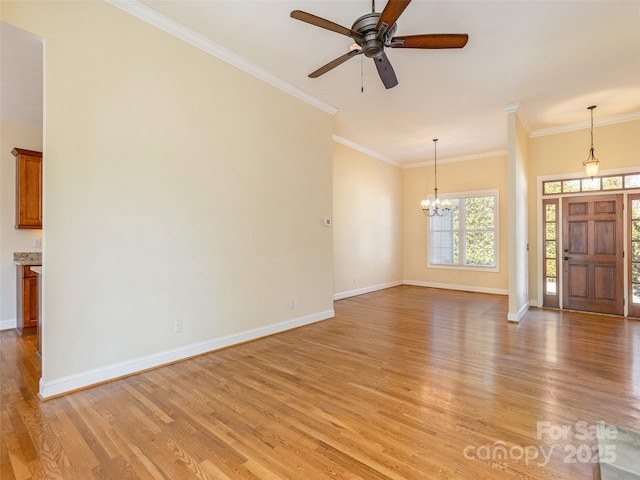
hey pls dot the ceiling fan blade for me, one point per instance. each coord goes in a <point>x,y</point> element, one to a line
<point>385,70</point>
<point>324,23</point>
<point>392,10</point>
<point>334,63</point>
<point>434,40</point>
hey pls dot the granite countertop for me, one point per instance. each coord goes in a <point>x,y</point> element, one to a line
<point>27,258</point>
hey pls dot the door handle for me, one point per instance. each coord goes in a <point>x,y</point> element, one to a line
<point>566,258</point>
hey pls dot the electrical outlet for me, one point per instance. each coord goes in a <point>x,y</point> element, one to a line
<point>178,325</point>
<point>291,303</point>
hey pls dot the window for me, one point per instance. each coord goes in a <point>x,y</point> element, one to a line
<point>468,236</point>
<point>634,255</point>
<point>575,185</point>
<point>550,297</point>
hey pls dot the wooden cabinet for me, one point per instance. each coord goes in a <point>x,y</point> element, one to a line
<point>27,289</point>
<point>28,188</point>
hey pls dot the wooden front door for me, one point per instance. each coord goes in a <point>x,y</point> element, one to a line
<point>592,258</point>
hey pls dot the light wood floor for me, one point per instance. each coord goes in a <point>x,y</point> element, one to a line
<point>404,383</point>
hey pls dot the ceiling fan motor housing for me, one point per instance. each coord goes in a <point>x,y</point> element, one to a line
<point>372,46</point>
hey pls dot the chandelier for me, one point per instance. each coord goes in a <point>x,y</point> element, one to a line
<point>436,207</point>
<point>591,164</point>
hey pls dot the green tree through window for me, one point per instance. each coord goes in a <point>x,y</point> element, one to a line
<point>468,235</point>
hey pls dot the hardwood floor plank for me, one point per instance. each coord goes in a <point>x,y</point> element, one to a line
<point>404,383</point>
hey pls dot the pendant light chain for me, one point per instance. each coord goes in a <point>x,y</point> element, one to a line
<point>435,167</point>
<point>436,208</point>
<point>591,108</point>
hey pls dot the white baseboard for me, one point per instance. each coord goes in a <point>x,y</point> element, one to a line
<point>88,378</point>
<point>516,317</point>
<point>455,286</point>
<point>360,291</point>
<point>8,324</point>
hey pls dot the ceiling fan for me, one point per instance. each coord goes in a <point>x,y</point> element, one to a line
<point>373,32</point>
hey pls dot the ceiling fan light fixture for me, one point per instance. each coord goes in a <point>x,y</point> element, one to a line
<point>591,164</point>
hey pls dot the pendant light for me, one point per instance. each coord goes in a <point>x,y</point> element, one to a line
<point>436,207</point>
<point>591,164</point>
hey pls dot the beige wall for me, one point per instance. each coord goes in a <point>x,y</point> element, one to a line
<point>176,187</point>
<point>367,222</point>
<point>617,146</point>
<point>454,177</point>
<point>21,135</point>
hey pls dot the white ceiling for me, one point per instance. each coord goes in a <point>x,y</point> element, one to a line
<point>554,58</point>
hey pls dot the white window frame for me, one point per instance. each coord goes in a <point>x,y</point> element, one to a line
<point>460,197</point>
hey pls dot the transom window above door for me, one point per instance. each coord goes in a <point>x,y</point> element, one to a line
<point>606,183</point>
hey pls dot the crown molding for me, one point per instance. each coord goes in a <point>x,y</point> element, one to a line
<point>517,109</point>
<point>158,20</point>
<point>365,150</point>
<point>461,158</point>
<point>511,108</point>
<point>584,125</point>
<point>374,154</point>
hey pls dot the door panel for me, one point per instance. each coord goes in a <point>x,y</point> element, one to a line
<point>604,235</point>
<point>604,283</point>
<point>592,253</point>
<point>578,281</point>
<point>578,237</point>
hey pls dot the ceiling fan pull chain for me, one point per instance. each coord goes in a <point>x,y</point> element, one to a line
<point>361,74</point>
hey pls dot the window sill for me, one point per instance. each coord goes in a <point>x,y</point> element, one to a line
<point>495,269</point>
